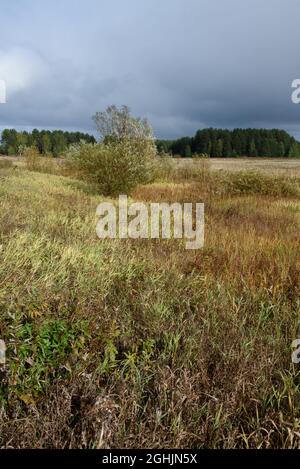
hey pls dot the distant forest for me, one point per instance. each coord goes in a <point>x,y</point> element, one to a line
<point>46,141</point>
<point>216,143</point>
<point>220,143</point>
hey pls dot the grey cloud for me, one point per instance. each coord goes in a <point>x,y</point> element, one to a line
<point>185,64</point>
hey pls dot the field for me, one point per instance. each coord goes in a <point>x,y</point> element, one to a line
<point>278,166</point>
<point>127,344</point>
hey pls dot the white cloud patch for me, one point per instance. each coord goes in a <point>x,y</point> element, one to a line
<point>21,69</point>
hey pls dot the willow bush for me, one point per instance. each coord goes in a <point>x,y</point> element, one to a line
<point>124,157</point>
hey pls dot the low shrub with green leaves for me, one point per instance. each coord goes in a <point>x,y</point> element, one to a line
<point>124,158</point>
<point>115,167</point>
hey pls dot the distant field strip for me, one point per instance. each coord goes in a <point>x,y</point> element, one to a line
<point>280,166</point>
<point>285,166</point>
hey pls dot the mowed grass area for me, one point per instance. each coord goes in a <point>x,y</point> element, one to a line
<point>142,343</point>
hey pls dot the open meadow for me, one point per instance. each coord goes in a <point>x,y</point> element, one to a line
<point>149,231</point>
<point>279,166</point>
<point>127,344</point>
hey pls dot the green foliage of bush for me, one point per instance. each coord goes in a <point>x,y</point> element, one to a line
<point>115,167</point>
<point>124,158</point>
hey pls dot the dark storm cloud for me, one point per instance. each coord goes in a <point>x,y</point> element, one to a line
<point>185,64</point>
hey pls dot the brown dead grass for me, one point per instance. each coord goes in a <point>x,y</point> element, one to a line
<point>142,343</point>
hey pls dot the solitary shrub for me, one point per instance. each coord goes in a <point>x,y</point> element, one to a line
<point>124,158</point>
<point>115,167</point>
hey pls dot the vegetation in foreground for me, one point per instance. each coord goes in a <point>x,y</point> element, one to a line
<point>142,343</point>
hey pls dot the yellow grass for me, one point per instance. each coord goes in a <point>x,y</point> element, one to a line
<point>278,166</point>
<point>142,343</point>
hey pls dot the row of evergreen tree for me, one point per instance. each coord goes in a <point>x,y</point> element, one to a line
<point>221,143</point>
<point>46,141</point>
<point>213,142</point>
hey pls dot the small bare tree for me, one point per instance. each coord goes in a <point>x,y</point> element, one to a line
<point>118,124</point>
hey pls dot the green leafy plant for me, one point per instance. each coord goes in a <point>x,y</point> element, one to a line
<point>124,158</point>
<point>42,351</point>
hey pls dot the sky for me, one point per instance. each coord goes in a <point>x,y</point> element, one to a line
<point>183,64</point>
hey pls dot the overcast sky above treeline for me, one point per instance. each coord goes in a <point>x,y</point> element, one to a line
<point>185,64</point>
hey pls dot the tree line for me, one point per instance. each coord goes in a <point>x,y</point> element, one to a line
<point>221,143</point>
<point>47,142</point>
<point>217,143</point>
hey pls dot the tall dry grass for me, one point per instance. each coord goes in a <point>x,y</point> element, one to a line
<point>42,164</point>
<point>142,343</point>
